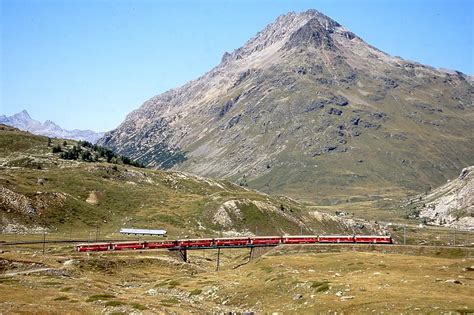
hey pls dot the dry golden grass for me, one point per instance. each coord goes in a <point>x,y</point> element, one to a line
<point>289,280</point>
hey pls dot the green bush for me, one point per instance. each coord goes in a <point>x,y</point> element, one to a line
<point>114,303</point>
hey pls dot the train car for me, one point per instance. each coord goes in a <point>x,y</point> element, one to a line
<point>128,245</point>
<point>265,240</point>
<point>93,247</point>
<point>203,242</point>
<point>232,241</point>
<point>160,244</point>
<point>373,239</point>
<point>336,239</point>
<point>301,239</point>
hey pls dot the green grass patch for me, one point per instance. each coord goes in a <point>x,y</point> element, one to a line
<point>115,303</point>
<point>169,302</point>
<point>61,298</point>
<point>320,286</point>
<point>98,297</point>
<point>195,292</point>
<point>66,289</point>
<point>138,306</point>
<point>173,284</point>
<point>267,269</point>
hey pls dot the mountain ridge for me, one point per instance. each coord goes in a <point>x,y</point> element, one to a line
<point>23,121</point>
<point>304,101</point>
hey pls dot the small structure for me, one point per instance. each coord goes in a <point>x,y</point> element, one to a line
<point>143,232</point>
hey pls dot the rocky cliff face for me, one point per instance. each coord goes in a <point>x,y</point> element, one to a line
<point>307,108</point>
<point>23,121</point>
<point>451,204</point>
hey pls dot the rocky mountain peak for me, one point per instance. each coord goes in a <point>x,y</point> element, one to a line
<point>23,121</point>
<point>49,123</point>
<point>22,115</point>
<point>290,30</point>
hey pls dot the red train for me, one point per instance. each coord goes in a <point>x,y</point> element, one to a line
<point>235,242</point>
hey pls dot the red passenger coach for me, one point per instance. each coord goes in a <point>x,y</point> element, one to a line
<point>195,242</point>
<point>128,245</point>
<point>162,244</point>
<point>336,239</point>
<point>310,239</point>
<point>96,247</point>
<point>373,239</point>
<point>236,241</point>
<point>265,240</point>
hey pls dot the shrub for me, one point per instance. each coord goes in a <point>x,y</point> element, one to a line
<point>138,306</point>
<point>97,297</point>
<point>57,148</point>
<point>320,286</point>
<point>195,292</point>
<point>114,303</point>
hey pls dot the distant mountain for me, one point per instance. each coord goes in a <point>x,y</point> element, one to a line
<point>308,109</point>
<point>23,121</point>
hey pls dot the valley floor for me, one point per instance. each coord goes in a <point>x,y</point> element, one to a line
<point>288,280</point>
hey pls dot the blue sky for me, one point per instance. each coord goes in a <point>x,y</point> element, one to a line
<point>87,64</point>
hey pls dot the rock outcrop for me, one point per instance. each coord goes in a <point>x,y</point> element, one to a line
<point>451,204</point>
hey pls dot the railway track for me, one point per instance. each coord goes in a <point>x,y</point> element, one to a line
<point>57,242</point>
<point>85,241</point>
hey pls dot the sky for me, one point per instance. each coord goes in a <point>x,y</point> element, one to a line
<point>87,63</point>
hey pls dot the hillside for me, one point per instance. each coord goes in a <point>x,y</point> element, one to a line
<point>38,188</point>
<point>450,205</point>
<point>306,108</point>
<point>23,121</point>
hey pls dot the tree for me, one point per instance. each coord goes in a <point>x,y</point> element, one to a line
<point>86,155</point>
<point>49,142</point>
<point>57,148</point>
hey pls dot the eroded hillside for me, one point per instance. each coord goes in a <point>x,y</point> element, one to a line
<point>450,205</point>
<point>37,188</point>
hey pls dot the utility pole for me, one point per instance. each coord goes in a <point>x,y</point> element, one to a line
<point>454,241</point>
<point>404,235</point>
<point>256,230</point>
<point>44,240</point>
<point>301,227</point>
<point>96,233</point>
<point>251,253</point>
<point>218,258</point>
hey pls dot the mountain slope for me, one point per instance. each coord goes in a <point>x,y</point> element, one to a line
<point>23,121</point>
<point>308,109</point>
<point>37,188</point>
<point>451,204</point>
